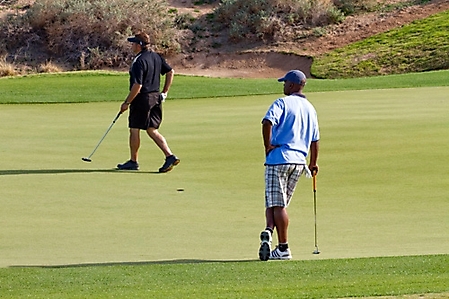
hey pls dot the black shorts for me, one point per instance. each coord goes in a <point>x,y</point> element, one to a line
<point>145,111</point>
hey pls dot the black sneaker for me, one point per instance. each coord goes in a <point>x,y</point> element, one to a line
<point>169,163</point>
<point>128,165</point>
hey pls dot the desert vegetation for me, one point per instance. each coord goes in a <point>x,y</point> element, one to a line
<point>92,34</point>
<point>84,34</point>
<point>56,35</point>
<point>274,20</point>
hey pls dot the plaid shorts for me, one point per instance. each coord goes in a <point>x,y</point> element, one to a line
<point>280,183</point>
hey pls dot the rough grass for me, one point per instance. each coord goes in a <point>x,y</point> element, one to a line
<point>246,279</point>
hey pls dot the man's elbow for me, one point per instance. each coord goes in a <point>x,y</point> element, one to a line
<point>266,122</point>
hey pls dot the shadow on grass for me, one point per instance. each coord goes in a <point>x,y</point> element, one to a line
<point>166,262</point>
<point>58,171</point>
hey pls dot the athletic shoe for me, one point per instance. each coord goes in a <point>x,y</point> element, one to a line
<point>265,245</point>
<point>170,161</point>
<point>128,165</point>
<point>276,254</point>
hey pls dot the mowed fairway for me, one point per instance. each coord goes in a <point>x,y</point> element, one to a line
<point>382,188</point>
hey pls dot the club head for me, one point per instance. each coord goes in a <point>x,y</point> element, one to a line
<point>316,251</point>
<point>86,159</point>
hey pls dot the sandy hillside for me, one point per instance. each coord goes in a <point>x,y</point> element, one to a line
<point>269,61</point>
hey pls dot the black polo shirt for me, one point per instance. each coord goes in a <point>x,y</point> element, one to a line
<point>146,70</point>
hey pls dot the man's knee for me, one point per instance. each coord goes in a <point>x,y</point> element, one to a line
<point>152,131</point>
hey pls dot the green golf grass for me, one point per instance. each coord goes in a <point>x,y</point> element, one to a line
<point>380,191</point>
<point>340,278</point>
<point>71,229</point>
<point>101,86</point>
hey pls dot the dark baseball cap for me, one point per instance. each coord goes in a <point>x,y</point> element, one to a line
<point>140,38</point>
<point>294,76</point>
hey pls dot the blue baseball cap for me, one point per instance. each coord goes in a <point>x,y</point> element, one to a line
<point>294,76</point>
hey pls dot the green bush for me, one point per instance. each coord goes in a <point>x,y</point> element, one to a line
<point>88,34</point>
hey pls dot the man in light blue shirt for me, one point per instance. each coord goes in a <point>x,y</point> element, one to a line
<point>290,131</point>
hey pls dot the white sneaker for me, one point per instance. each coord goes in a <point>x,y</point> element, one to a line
<point>276,254</point>
<point>265,245</point>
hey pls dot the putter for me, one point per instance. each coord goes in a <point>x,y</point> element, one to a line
<point>88,159</point>
<point>316,251</point>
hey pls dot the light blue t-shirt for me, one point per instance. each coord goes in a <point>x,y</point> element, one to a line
<point>295,126</point>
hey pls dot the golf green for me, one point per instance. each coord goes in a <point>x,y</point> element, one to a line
<point>382,186</point>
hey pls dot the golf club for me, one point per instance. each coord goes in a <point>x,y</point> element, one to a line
<point>88,159</point>
<point>316,251</point>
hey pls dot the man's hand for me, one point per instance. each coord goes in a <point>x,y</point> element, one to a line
<point>163,96</point>
<point>124,107</point>
<point>314,169</point>
<point>269,148</point>
<point>135,89</point>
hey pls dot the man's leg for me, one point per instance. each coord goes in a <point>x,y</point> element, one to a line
<point>134,143</point>
<point>279,179</point>
<point>160,141</point>
<point>281,221</point>
<point>277,217</point>
<point>170,159</point>
<point>269,216</point>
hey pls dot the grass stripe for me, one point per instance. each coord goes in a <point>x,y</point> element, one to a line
<point>389,276</point>
<point>83,87</point>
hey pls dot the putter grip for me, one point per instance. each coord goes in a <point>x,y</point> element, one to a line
<point>314,180</point>
<point>116,117</point>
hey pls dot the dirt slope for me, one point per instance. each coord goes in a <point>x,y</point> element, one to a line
<point>256,61</point>
<point>262,61</point>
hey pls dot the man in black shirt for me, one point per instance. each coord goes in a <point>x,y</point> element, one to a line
<point>145,101</point>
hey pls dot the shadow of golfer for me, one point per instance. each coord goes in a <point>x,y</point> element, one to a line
<point>164,262</point>
<point>58,171</point>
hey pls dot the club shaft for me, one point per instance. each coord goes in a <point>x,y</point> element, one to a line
<point>314,212</point>
<point>106,133</point>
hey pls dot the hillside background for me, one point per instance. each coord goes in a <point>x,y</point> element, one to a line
<point>228,38</point>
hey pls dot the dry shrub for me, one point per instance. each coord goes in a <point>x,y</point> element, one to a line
<point>309,13</point>
<point>319,12</point>
<point>352,6</point>
<point>70,29</point>
<point>248,19</point>
<point>7,69</point>
<point>267,19</point>
<point>7,2</point>
<point>49,67</point>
